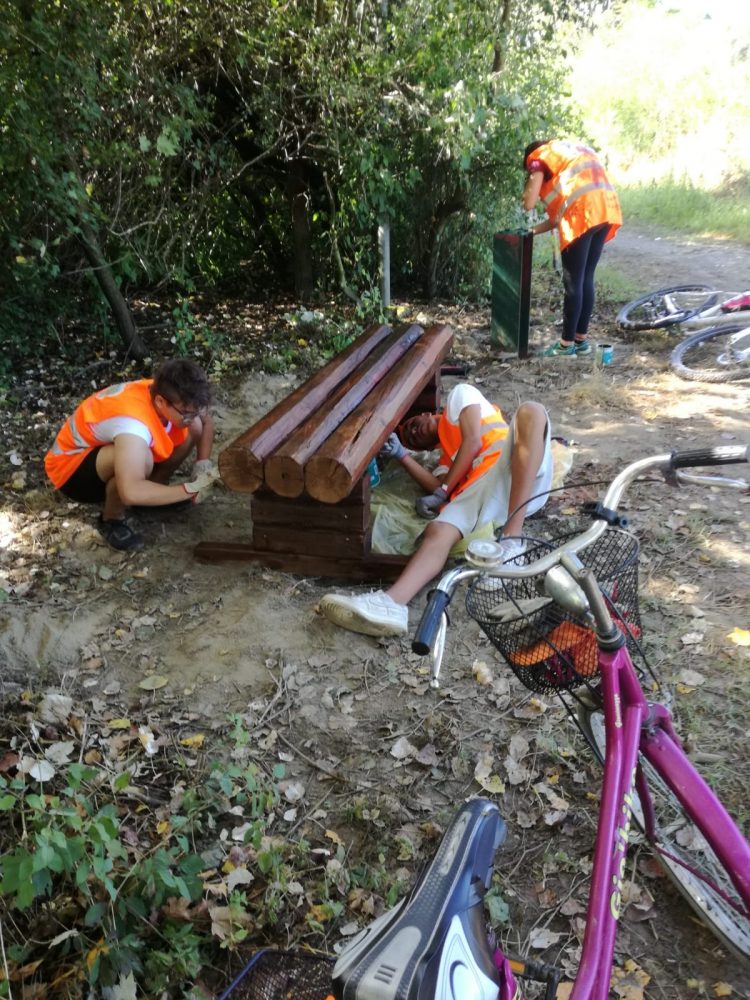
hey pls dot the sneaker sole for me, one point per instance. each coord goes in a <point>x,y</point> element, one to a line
<point>355,621</point>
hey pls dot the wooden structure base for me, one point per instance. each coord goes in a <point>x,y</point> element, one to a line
<point>311,538</point>
<point>369,568</point>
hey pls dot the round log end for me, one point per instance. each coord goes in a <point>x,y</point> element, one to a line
<point>284,476</point>
<point>327,479</point>
<point>240,470</point>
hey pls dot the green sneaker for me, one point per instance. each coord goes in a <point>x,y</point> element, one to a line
<point>558,351</point>
<point>582,347</point>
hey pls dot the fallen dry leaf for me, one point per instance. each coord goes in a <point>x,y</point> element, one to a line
<point>193,742</point>
<point>153,682</point>
<point>740,636</point>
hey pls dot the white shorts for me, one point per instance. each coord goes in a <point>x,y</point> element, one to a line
<point>486,500</point>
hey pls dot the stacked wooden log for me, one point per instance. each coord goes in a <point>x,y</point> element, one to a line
<point>305,461</point>
<point>320,439</point>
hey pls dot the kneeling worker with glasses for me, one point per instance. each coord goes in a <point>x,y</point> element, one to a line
<point>123,443</point>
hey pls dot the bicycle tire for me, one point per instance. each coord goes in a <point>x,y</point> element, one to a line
<point>720,917</point>
<point>688,362</point>
<point>649,312</point>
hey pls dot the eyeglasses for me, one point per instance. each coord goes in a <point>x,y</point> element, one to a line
<point>188,416</point>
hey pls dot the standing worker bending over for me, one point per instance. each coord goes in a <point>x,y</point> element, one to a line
<point>582,206</point>
<point>122,444</point>
<point>486,470</point>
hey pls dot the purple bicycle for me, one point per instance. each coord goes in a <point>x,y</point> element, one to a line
<point>566,620</point>
<point>565,617</point>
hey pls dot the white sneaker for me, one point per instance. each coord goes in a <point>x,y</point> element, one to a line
<point>370,614</point>
<point>511,549</point>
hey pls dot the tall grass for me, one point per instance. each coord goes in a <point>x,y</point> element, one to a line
<point>690,209</point>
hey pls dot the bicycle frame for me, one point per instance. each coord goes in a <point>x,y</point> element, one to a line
<point>624,710</point>
<point>662,749</point>
<point>634,726</point>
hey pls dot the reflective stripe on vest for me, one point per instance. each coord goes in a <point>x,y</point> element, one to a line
<point>76,439</point>
<point>578,196</point>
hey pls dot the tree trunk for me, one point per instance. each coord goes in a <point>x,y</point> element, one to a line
<point>110,290</point>
<point>443,212</point>
<point>298,199</point>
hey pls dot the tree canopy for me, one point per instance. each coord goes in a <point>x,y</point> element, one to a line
<point>165,145</point>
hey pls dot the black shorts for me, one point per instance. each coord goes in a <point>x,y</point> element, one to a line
<point>85,486</point>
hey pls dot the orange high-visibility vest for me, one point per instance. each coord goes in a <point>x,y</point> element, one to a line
<point>76,438</point>
<point>494,432</point>
<point>578,195</point>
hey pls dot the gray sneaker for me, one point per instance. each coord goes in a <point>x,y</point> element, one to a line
<point>370,614</point>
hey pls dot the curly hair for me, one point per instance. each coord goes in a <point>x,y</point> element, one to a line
<point>182,381</point>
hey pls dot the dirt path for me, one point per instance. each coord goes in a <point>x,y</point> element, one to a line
<point>231,637</point>
<point>653,259</point>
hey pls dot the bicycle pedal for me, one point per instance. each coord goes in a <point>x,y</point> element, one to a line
<point>433,943</point>
<point>538,972</point>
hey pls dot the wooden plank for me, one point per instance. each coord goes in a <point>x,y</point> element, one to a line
<point>374,568</point>
<point>284,470</point>
<point>278,511</point>
<point>332,471</point>
<point>334,544</point>
<point>241,462</point>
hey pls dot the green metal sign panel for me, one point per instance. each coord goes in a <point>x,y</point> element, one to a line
<point>511,288</point>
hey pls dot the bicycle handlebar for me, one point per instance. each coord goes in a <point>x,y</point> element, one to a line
<point>667,464</point>
<point>721,455</point>
<point>428,626</point>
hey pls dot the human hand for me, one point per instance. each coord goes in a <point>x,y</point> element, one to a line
<point>429,506</point>
<point>393,448</point>
<point>204,465</point>
<point>202,485</point>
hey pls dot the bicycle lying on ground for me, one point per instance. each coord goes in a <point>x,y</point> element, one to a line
<point>720,349</point>
<point>565,617</point>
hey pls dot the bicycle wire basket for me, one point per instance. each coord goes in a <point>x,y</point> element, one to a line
<point>547,648</point>
<point>283,975</point>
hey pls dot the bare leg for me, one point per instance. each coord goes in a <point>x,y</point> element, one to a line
<point>528,451</point>
<point>426,563</point>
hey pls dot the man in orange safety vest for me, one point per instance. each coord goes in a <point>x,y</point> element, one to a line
<point>122,444</point>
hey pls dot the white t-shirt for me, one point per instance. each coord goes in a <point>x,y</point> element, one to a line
<point>107,430</point>
<point>461,396</point>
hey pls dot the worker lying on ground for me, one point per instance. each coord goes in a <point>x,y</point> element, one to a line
<point>487,469</point>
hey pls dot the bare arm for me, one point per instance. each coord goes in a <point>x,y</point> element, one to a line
<point>133,464</point>
<point>530,199</point>
<point>531,190</point>
<point>470,422</point>
<point>206,439</point>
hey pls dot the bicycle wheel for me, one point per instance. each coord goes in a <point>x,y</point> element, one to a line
<point>712,356</point>
<point>692,859</point>
<point>666,307</point>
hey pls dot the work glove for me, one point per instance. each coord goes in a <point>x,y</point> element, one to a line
<point>204,465</point>
<point>429,506</point>
<point>393,448</point>
<point>201,486</point>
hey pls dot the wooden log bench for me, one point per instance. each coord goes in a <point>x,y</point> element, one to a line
<point>305,462</point>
